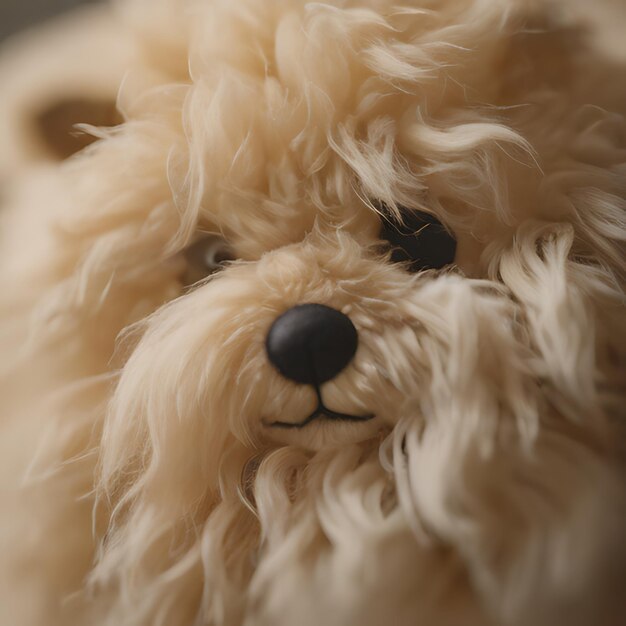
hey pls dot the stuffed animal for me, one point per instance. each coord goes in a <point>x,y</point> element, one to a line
<point>327,326</point>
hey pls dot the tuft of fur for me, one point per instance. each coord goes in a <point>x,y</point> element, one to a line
<point>140,482</point>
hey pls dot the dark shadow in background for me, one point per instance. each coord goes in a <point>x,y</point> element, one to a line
<point>15,15</point>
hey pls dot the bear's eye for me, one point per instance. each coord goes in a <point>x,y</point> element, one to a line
<point>204,257</point>
<point>420,240</point>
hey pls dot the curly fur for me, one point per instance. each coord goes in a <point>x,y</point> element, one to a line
<point>139,481</point>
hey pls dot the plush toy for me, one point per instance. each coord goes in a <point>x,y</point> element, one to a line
<point>327,327</point>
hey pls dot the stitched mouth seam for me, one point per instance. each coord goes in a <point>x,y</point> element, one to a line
<point>321,411</point>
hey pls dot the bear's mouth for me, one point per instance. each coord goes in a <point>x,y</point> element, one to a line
<point>321,412</point>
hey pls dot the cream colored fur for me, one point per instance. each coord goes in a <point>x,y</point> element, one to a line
<point>139,482</point>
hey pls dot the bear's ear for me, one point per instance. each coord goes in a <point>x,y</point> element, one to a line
<point>56,123</point>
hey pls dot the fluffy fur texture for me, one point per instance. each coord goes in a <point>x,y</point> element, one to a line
<point>140,483</point>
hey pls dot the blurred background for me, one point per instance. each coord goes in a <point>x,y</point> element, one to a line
<point>15,15</point>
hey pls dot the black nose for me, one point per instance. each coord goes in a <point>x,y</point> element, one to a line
<point>311,343</point>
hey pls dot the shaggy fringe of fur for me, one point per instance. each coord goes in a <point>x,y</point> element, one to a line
<point>490,490</point>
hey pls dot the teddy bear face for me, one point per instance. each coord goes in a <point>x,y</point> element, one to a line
<point>313,185</point>
<point>416,188</point>
<point>342,268</point>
